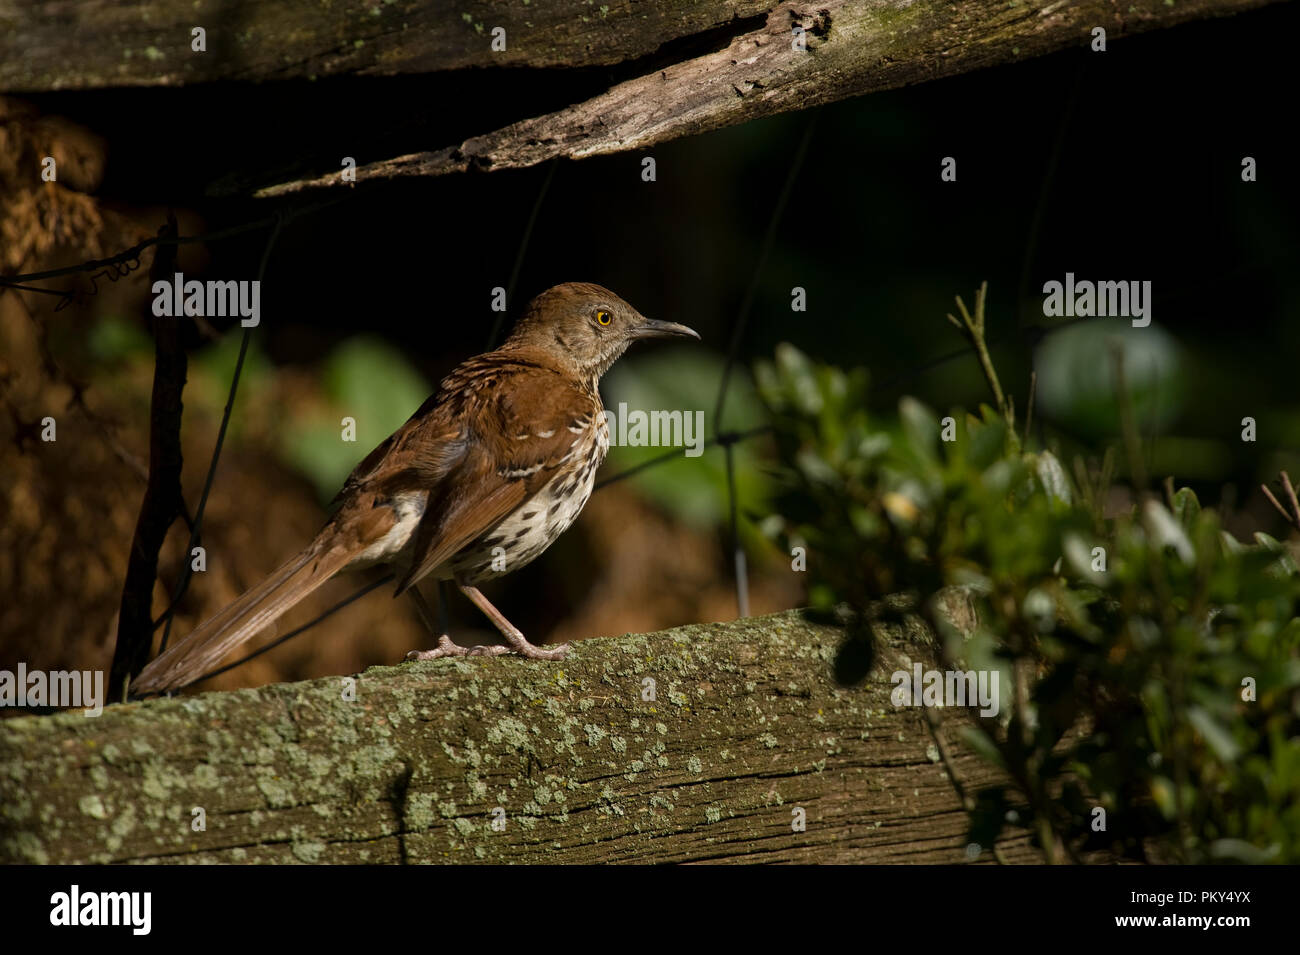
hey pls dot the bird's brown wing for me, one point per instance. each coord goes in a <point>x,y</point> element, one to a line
<point>414,458</point>
<point>419,453</point>
<point>519,432</point>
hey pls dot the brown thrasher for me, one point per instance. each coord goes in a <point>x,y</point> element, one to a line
<point>478,482</point>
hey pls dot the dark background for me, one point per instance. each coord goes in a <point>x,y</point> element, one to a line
<point>1116,165</point>
<point>1123,165</point>
<point>1119,164</point>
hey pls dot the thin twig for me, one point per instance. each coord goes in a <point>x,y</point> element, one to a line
<point>1045,188</point>
<point>731,437</point>
<point>769,237</point>
<point>1293,517</point>
<point>1029,411</point>
<point>738,552</point>
<point>973,327</point>
<point>523,248</point>
<point>1291,493</point>
<point>134,251</point>
<point>1128,423</point>
<point>196,531</point>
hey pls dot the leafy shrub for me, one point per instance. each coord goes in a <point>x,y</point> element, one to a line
<point>1154,659</point>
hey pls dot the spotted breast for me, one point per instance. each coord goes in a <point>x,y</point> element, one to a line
<point>533,526</point>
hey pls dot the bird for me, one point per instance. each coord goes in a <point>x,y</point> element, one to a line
<point>477,483</point>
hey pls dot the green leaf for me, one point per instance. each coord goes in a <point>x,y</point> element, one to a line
<point>987,442</point>
<point>799,375</point>
<point>1167,532</point>
<point>920,426</point>
<point>1079,554</point>
<point>1215,736</point>
<point>1053,478</point>
<point>1268,542</point>
<point>1186,507</point>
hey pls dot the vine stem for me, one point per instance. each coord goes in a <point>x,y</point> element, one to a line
<point>972,326</point>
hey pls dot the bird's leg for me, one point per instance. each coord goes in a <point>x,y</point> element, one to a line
<point>518,643</point>
<point>446,647</point>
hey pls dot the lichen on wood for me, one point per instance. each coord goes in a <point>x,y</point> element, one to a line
<point>506,760</point>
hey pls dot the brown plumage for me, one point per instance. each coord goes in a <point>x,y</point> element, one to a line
<point>477,483</point>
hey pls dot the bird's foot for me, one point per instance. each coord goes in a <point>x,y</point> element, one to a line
<point>446,648</point>
<point>522,647</point>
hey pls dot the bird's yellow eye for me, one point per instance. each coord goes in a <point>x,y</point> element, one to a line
<point>603,317</point>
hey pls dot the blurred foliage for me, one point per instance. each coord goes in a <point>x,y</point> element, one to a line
<point>1129,642</point>
<point>349,379</point>
<point>308,429</point>
<point>1076,376</point>
<point>114,338</point>
<point>692,489</point>
<point>213,368</point>
<point>121,344</point>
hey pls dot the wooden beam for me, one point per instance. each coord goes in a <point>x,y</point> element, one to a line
<point>850,48</point>
<point>573,760</point>
<point>50,45</point>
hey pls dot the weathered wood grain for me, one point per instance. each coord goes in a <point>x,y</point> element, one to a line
<point>55,45</point>
<point>852,48</point>
<point>751,70</point>
<point>747,725</point>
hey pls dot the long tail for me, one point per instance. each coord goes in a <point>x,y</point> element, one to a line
<point>257,608</point>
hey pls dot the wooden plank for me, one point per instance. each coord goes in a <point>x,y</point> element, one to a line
<point>53,45</point>
<point>851,48</point>
<point>746,726</point>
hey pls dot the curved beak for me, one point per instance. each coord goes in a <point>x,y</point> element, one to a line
<point>653,328</point>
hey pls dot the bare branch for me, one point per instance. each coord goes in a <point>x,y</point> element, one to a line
<point>852,48</point>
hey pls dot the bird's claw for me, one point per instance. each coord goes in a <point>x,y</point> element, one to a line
<point>447,648</point>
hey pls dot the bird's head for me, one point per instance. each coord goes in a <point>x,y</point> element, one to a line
<point>586,327</point>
